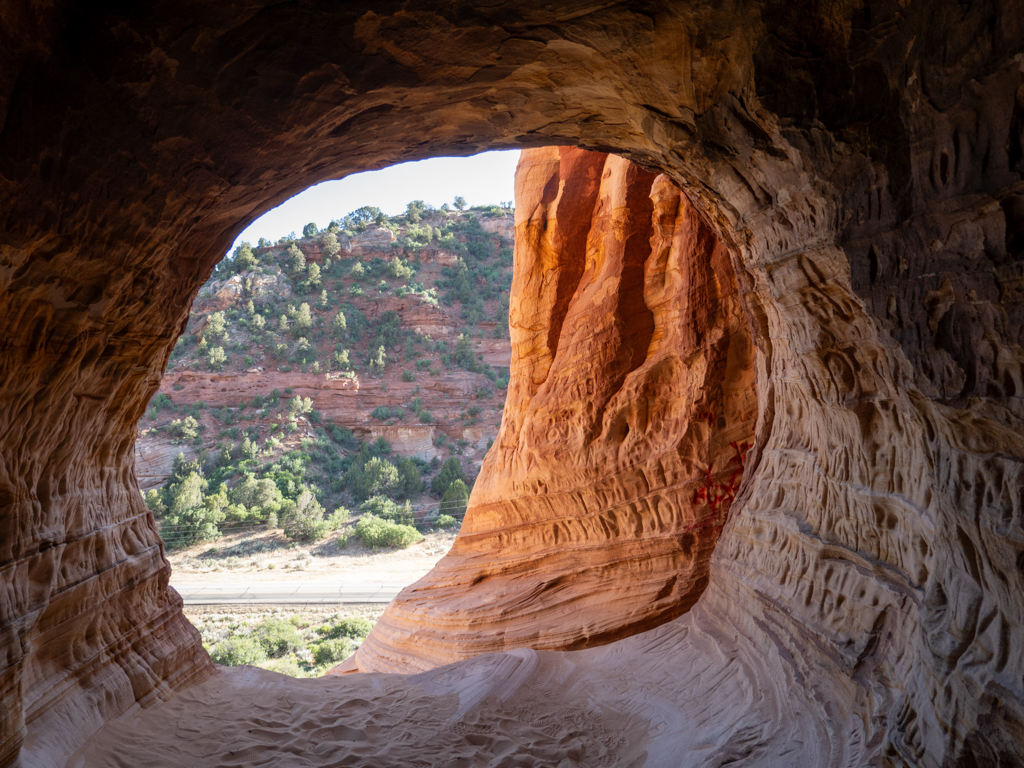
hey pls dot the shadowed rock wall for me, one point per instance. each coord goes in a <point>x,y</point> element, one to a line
<point>862,164</point>
<point>631,407</point>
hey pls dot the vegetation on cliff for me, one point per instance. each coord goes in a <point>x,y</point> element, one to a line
<point>325,304</point>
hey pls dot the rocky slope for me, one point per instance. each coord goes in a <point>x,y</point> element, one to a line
<point>420,401</point>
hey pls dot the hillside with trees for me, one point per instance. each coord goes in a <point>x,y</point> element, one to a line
<point>344,383</point>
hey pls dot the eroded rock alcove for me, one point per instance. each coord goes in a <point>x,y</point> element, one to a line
<point>630,411</point>
<point>860,163</point>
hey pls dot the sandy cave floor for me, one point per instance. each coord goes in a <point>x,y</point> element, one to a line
<point>623,704</point>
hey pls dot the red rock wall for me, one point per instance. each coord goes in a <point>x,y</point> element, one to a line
<point>630,410</point>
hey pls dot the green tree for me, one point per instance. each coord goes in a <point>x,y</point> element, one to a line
<point>312,277</point>
<point>451,471</point>
<point>297,258</point>
<point>414,211</point>
<point>361,217</point>
<point>258,322</point>
<point>325,302</point>
<point>410,481</point>
<point>305,520</point>
<point>455,498</point>
<point>244,258</point>
<point>309,230</point>
<point>330,246</point>
<point>460,202</point>
<point>464,356</point>
<point>357,271</point>
<point>303,320</point>
<point>277,636</point>
<point>249,450</point>
<point>380,477</point>
<point>378,360</point>
<point>282,323</point>
<point>191,515</point>
<point>339,326</point>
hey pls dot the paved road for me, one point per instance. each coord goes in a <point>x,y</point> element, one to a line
<point>283,592</point>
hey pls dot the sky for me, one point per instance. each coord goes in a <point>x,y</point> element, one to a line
<point>484,179</point>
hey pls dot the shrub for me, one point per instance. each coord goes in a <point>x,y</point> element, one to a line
<point>332,651</point>
<point>215,325</point>
<point>355,628</point>
<point>239,650</point>
<point>299,405</point>
<point>288,667</point>
<point>408,375</point>
<point>161,401</point>
<point>305,521</point>
<point>277,637</point>
<point>375,533</point>
<point>216,357</point>
<point>378,360</point>
<point>341,361</point>
<point>426,417</point>
<point>184,429</point>
<point>399,269</point>
<point>445,522</point>
<point>381,412</point>
<point>386,509</point>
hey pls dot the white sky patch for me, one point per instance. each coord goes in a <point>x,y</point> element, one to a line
<point>484,179</point>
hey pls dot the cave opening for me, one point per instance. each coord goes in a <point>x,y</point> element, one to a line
<point>325,411</point>
<point>362,360</point>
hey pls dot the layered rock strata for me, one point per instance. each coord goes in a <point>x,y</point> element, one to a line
<point>864,164</point>
<point>630,410</point>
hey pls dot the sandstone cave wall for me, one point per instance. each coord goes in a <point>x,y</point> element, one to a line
<point>860,163</point>
<point>631,407</point>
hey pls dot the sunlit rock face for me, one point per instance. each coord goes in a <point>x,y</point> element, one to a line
<point>862,163</point>
<point>631,407</point>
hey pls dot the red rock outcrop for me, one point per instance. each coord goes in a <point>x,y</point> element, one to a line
<point>862,162</point>
<point>631,407</point>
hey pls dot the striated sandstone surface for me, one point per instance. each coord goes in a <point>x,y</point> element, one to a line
<point>862,162</point>
<point>631,407</point>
